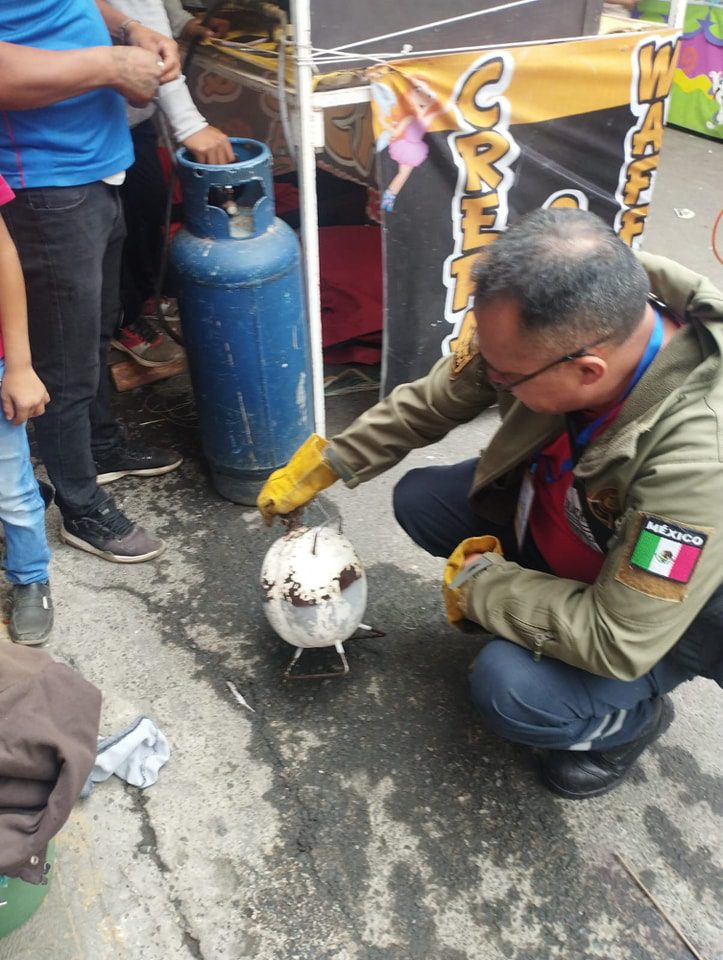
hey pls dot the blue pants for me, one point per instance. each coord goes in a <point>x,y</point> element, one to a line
<point>542,704</point>
<point>69,240</point>
<point>22,510</point>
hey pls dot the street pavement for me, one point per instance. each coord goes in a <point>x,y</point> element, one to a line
<point>365,818</point>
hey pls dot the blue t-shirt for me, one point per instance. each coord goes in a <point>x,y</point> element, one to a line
<point>76,141</point>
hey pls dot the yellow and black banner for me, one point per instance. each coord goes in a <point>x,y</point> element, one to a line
<point>468,143</point>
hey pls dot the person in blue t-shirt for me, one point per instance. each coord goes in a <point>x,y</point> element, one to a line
<point>64,149</point>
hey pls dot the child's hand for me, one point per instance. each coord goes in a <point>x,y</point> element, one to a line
<point>23,395</point>
<point>196,30</point>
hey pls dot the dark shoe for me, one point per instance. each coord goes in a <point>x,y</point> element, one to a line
<point>47,492</point>
<point>135,460</point>
<point>579,774</point>
<point>108,533</point>
<point>31,614</point>
<point>147,344</point>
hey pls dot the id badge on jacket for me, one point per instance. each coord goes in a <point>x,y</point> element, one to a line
<point>524,506</point>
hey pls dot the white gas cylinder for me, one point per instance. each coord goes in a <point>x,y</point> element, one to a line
<point>315,587</point>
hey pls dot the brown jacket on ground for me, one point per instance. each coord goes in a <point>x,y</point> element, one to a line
<point>49,719</point>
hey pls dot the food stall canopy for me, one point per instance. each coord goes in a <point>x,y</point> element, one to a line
<point>577,117</point>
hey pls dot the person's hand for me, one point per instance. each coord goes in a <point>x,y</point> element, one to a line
<point>23,395</point>
<point>210,145</point>
<point>136,74</point>
<point>196,30</point>
<point>296,484</point>
<point>464,556</point>
<point>164,48</point>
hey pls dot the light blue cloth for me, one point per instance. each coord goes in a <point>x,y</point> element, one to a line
<point>135,755</point>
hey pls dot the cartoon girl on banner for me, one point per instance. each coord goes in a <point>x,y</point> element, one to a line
<point>406,117</point>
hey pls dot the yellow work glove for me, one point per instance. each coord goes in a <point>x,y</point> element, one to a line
<point>454,570</point>
<point>305,475</point>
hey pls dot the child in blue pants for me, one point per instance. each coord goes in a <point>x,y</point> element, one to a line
<point>22,510</point>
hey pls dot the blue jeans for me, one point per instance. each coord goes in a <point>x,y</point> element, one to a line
<point>70,240</point>
<point>541,704</point>
<point>22,510</point>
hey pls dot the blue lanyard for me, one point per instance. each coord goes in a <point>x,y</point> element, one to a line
<point>578,441</point>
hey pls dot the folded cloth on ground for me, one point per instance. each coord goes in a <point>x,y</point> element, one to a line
<point>136,754</point>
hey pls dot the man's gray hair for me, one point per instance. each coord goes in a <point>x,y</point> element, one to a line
<point>572,277</point>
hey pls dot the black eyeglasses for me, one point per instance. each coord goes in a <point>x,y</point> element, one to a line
<point>502,384</point>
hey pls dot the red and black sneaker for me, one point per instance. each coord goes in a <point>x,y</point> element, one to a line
<point>147,344</point>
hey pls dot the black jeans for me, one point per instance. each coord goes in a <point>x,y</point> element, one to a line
<point>144,206</point>
<point>69,240</point>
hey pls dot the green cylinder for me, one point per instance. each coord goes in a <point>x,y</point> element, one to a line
<point>19,899</point>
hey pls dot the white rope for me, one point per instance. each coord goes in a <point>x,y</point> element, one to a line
<point>351,57</point>
<point>439,23</point>
<point>322,56</point>
<point>331,57</point>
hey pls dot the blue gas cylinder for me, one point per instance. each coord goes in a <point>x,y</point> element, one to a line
<point>238,281</point>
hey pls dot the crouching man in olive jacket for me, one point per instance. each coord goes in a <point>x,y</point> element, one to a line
<point>587,537</point>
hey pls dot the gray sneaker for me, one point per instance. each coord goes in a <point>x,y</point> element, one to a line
<point>31,614</point>
<point>108,533</point>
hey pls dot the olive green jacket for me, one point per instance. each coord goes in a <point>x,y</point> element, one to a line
<point>660,458</point>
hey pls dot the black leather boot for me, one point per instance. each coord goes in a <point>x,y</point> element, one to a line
<point>31,614</point>
<point>579,774</point>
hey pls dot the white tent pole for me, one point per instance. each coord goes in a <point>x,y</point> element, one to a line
<point>676,15</point>
<point>306,167</point>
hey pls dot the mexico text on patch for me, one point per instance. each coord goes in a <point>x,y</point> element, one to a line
<point>668,550</point>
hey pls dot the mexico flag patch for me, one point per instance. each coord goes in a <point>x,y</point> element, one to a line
<point>660,556</point>
<point>667,550</point>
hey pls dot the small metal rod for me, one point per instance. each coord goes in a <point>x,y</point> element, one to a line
<point>661,910</point>
<point>290,666</point>
<point>239,696</point>
<point>370,632</point>
<point>321,526</point>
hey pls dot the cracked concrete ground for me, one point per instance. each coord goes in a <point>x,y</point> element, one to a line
<point>371,818</point>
